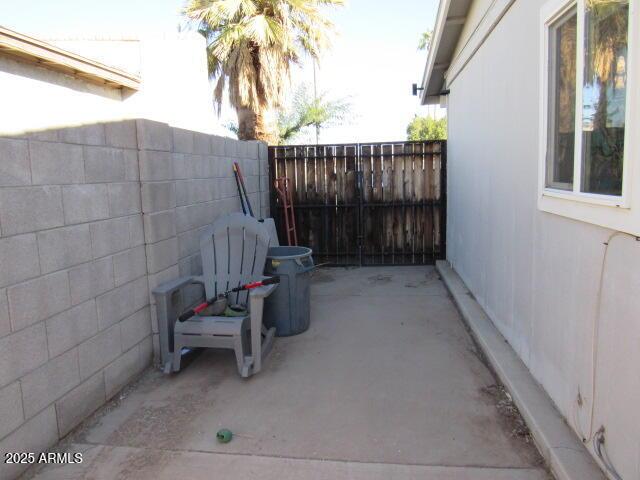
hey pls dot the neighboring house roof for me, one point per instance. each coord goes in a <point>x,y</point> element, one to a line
<point>450,20</point>
<point>54,58</point>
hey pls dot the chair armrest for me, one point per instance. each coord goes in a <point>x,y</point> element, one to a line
<point>256,306</point>
<point>171,300</point>
<point>263,291</point>
<point>171,286</point>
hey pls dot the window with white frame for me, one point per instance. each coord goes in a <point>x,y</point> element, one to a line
<point>587,101</point>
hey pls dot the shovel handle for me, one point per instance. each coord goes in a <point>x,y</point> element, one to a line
<point>261,283</point>
<point>194,311</point>
<point>248,286</point>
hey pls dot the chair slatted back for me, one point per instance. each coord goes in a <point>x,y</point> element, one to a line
<point>234,252</point>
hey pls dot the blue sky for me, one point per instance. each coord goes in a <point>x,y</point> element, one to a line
<point>373,62</point>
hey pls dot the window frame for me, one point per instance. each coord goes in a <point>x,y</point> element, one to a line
<point>553,90</point>
<point>618,212</point>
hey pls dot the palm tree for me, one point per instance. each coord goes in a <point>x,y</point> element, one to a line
<point>304,112</point>
<point>251,45</point>
<point>609,23</point>
<point>607,31</point>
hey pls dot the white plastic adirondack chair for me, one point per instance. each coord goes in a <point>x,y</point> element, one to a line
<point>270,224</point>
<point>233,253</point>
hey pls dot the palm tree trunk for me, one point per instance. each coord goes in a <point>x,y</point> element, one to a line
<point>256,126</point>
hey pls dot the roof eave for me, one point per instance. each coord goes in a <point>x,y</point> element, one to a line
<point>449,23</point>
<point>51,57</point>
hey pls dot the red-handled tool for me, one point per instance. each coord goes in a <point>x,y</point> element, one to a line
<point>248,286</point>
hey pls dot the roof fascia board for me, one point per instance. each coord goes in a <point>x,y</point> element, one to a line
<point>54,58</point>
<point>486,25</point>
<point>443,10</point>
<point>455,20</point>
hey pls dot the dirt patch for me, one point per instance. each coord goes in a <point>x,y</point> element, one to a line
<point>167,424</point>
<point>514,425</point>
<point>321,276</point>
<point>123,464</point>
<point>508,412</point>
<point>277,359</point>
<point>140,461</point>
<point>169,419</point>
<point>147,381</point>
<point>428,279</point>
<point>380,279</point>
<point>165,418</point>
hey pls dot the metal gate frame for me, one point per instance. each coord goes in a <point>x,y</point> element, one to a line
<point>362,207</point>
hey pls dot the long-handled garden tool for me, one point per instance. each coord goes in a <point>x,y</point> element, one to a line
<point>235,174</point>
<point>219,303</point>
<point>242,189</point>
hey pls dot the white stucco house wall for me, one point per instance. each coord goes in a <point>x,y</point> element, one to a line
<point>56,83</point>
<point>543,231</point>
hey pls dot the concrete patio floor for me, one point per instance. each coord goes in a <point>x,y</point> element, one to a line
<point>386,384</point>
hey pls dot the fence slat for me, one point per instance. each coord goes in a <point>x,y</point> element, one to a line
<point>366,223</point>
<point>310,195</point>
<point>418,195</point>
<point>350,227</point>
<point>330,235</point>
<point>341,241</point>
<point>388,186</point>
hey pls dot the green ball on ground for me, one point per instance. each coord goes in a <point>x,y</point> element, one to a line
<point>224,435</point>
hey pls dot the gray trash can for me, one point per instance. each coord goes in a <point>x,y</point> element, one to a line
<point>288,308</point>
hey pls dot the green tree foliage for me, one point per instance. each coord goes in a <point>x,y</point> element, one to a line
<point>304,115</point>
<point>425,40</point>
<point>307,112</point>
<point>427,128</point>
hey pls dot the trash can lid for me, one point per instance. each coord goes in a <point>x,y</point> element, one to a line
<point>288,253</point>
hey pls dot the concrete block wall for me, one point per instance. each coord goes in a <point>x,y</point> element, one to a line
<point>91,219</point>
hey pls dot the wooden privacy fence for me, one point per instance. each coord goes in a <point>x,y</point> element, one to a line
<point>365,203</point>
